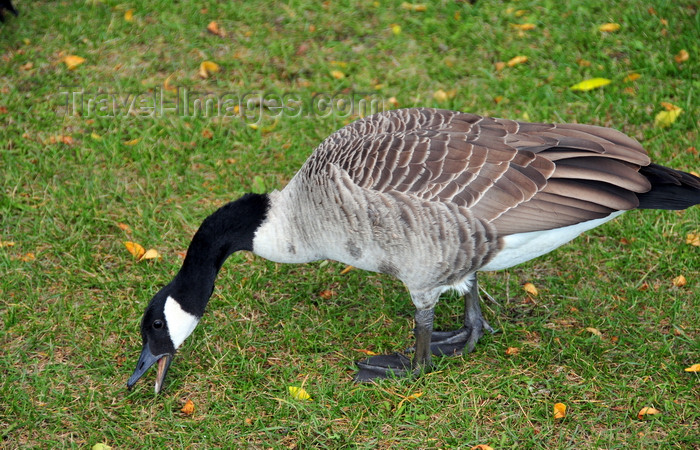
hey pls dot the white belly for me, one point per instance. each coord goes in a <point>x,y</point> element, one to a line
<point>518,248</point>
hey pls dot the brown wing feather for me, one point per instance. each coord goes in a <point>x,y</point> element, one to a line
<point>518,176</point>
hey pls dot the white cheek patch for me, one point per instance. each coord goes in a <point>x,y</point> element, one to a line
<point>180,322</point>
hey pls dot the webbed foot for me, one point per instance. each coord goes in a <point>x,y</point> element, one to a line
<point>383,366</point>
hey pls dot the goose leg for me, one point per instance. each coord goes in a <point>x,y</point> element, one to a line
<point>455,342</point>
<point>396,364</point>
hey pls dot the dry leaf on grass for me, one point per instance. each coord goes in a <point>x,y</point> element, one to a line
<point>208,68</point>
<point>666,118</point>
<point>523,26</point>
<point>530,289</point>
<point>326,294</point>
<point>129,15</point>
<point>482,447</point>
<point>693,239</point>
<point>631,77</point>
<point>416,7</point>
<point>512,351</point>
<point>215,29</point>
<point>520,59</point>
<point>559,410</point>
<point>594,331</point>
<point>647,411</point>
<point>609,27</point>
<point>366,352</point>
<point>693,368</point>
<point>679,281</point>
<point>151,253</point>
<point>188,409</point>
<point>73,61</point>
<point>592,83</point>
<point>682,56</point>
<point>299,393</point>
<point>136,250</point>
<point>337,74</point>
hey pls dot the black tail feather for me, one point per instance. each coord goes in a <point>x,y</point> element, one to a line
<point>6,5</point>
<point>670,188</point>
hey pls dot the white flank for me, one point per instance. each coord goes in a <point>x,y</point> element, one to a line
<point>180,322</point>
<point>521,247</point>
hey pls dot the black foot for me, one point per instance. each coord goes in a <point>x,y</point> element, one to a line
<point>383,366</point>
<point>457,342</point>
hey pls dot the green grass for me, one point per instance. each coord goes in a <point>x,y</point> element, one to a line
<point>70,315</point>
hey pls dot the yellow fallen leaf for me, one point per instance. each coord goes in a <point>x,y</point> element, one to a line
<point>101,446</point>
<point>366,352</point>
<point>132,142</point>
<point>530,289</point>
<point>6,244</point>
<point>520,59</point>
<point>27,257</point>
<point>135,249</point>
<point>440,95</point>
<point>523,26</point>
<point>631,77</point>
<point>124,227</point>
<point>337,74</point>
<point>167,85</point>
<point>587,85</point>
<point>299,393</point>
<point>417,7</point>
<point>73,61</point>
<point>594,331</point>
<point>215,29</point>
<point>669,106</point>
<point>682,56</point>
<point>665,119</point>
<point>129,15</point>
<point>559,410</point>
<point>512,351</point>
<point>647,411</point>
<point>151,253</point>
<point>680,281</point>
<point>253,126</point>
<point>609,27</point>
<point>414,396</point>
<point>693,239</point>
<point>693,368</point>
<point>208,68</point>
<point>95,136</point>
<point>393,101</point>
<point>396,29</point>
<point>482,447</point>
<point>499,65</point>
<point>346,270</point>
<point>188,409</point>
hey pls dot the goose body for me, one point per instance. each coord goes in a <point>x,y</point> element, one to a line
<point>430,197</point>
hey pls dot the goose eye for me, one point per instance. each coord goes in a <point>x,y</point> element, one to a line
<point>158,324</point>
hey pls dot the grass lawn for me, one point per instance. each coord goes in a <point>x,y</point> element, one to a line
<point>84,152</point>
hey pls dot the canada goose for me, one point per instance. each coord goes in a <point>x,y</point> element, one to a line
<point>430,197</point>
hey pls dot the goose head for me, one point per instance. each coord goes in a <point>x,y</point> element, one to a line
<point>164,327</point>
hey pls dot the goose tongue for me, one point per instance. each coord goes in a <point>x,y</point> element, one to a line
<point>146,360</point>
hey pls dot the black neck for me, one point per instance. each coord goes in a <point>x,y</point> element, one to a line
<point>230,229</point>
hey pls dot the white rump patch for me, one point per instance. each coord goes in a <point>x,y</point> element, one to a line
<point>180,323</point>
<point>521,247</point>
